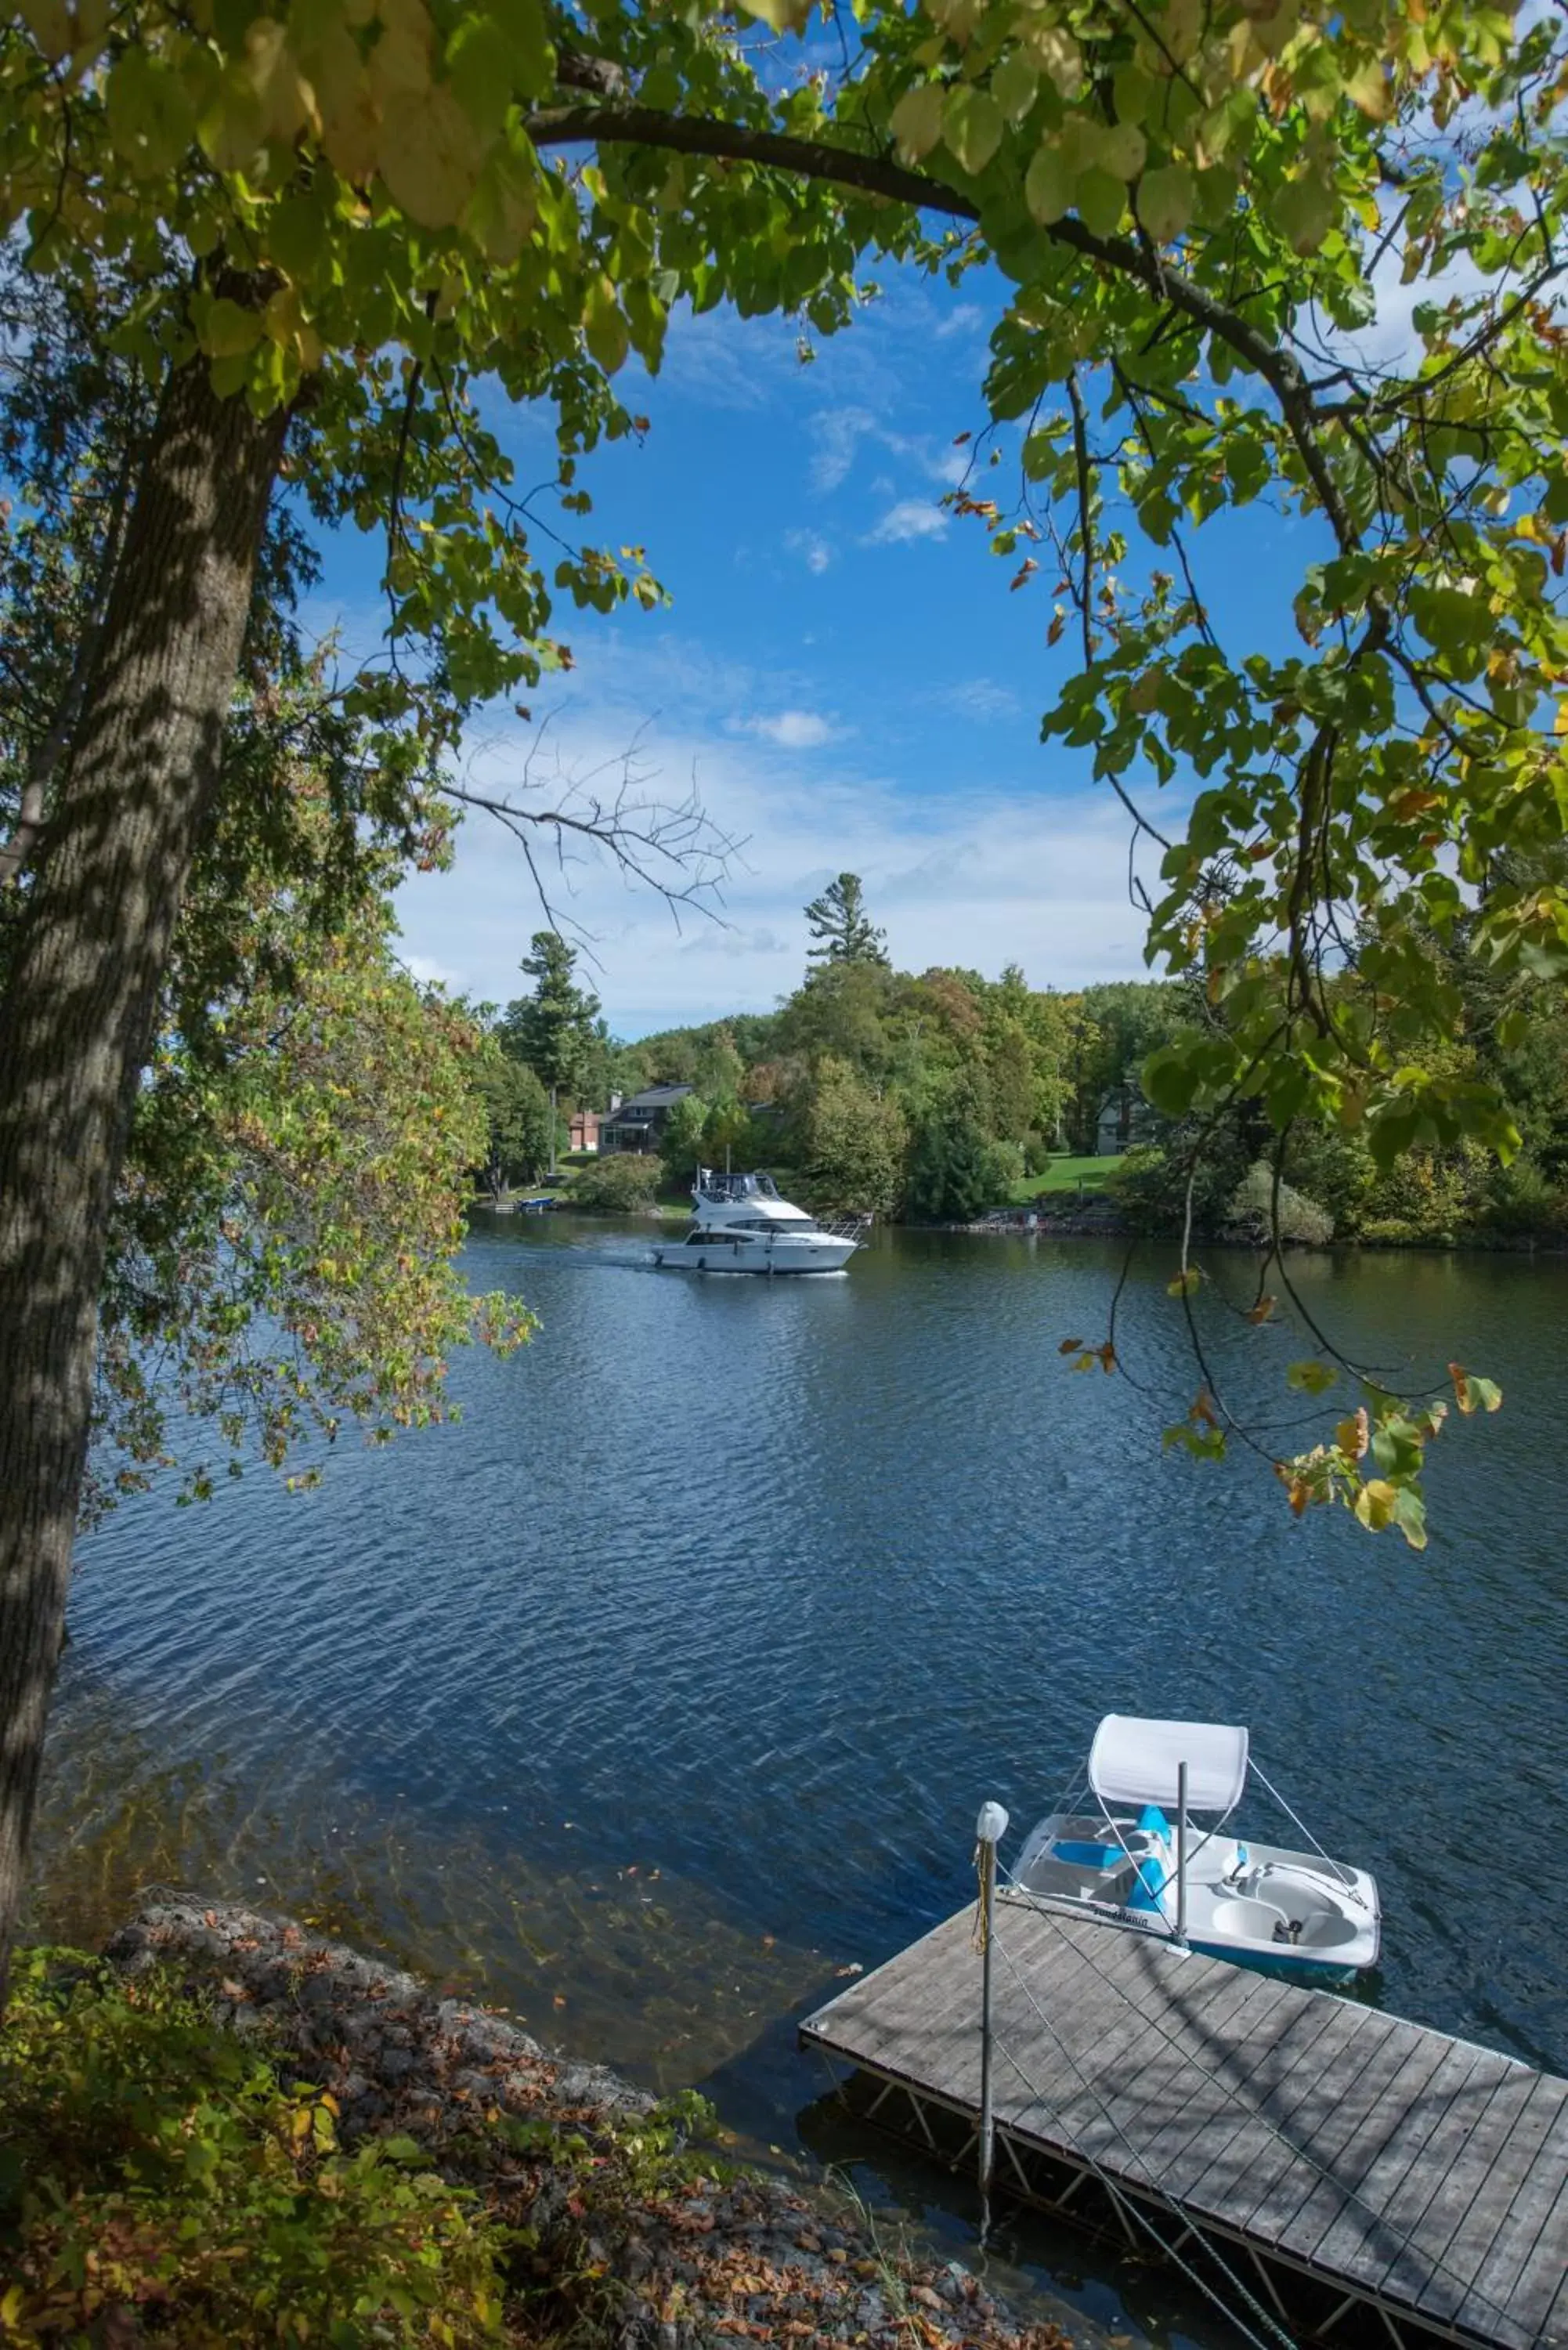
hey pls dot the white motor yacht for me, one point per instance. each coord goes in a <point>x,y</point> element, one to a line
<point>740,1225</point>
<point>1145,1858</point>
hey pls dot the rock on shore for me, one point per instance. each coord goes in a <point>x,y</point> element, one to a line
<point>677,2258</point>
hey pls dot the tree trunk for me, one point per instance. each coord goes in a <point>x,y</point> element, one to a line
<point>80,1001</point>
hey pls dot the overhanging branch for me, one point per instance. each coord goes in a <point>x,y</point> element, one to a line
<point>875,176</point>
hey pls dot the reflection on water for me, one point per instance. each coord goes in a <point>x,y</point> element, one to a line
<point>668,1683</point>
<point>618,1961</point>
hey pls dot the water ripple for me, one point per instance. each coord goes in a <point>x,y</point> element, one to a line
<point>765,1585</point>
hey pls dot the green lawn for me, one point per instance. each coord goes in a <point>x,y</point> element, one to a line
<point>1064,1174</point>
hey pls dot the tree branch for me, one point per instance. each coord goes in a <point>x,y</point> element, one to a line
<point>873,175</point>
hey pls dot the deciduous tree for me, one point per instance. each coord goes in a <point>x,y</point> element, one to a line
<point>335,222</point>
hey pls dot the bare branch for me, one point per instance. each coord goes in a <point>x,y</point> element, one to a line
<point>673,847</point>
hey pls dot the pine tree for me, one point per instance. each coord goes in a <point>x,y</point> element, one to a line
<point>552,1032</point>
<point>839,922</point>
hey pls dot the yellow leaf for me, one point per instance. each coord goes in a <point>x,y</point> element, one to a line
<point>917,120</point>
<point>1353,1436</point>
<point>273,72</point>
<point>1180,33</point>
<point>428,154</point>
<point>400,60</point>
<point>1059,55</point>
<point>784,16</point>
<point>1374,1504</point>
<point>50,24</point>
<point>1369,89</point>
<point>605,325</point>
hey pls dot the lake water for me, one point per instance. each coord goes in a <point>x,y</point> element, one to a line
<point>664,1689</point>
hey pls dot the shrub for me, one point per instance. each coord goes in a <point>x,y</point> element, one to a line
<point>153,2164</point>
<point>1524,1202</point>
<point>624,1181</point>
<point>1252,1212</point>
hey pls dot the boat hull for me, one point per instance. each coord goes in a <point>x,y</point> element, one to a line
<point>719,1255</point>
<point>1288,1966</point>
<point>1290,1914</point>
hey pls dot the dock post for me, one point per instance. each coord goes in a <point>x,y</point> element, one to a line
<point>988,1831</point>
<point>1181,1852</point>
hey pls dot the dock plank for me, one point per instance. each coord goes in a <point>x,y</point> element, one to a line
<point>1425,2174</point>
<point>1532,2242</point>
<point>1541,2110</point>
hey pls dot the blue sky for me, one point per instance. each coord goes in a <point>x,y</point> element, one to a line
<point>843,675</point>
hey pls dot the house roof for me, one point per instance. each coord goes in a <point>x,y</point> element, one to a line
<point>656,1098</point>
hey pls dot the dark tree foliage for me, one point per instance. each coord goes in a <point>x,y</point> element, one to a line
<point>841,927</point>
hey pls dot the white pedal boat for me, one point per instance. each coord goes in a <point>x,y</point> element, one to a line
<point>740,1225</point>
<point>1143,1859</point>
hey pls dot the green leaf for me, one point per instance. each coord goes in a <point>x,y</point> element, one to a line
<point>1305,209</point>
<point>1048,186</point>
<point>1121,150</point>
<point>150,118</point>
<point>604,326</point>
<point>1101,201</point>
<point>1170,1081</point>
<point>1164,200</point>
<point>227,330</point>
<point>479,68</point>
<point>1013,85</point>
<point>972,128</point>
<point>1411,1516</point>
<point>1311,1378</point>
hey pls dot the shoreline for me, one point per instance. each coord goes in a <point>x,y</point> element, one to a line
<point>1013,1223</point>
<point>685,2250</point>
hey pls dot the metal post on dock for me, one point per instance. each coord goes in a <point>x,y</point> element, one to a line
<point>1181,1852</point>
<point>988,1831</point>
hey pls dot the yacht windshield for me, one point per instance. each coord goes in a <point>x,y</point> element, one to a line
<point>717,1186</point>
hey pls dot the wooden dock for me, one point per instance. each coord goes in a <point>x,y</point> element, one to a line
<point>1362,2177</point>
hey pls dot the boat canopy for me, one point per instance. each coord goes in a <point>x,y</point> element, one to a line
<point>1135,1762</point>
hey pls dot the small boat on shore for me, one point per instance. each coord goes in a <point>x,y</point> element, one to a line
<point>1143,1859</point>
<point>740,1225</point>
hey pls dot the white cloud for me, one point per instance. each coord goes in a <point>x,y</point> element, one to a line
<point>987,868</point>
<point>910,518</point>
<point>429,974</point>
<point>980,697</point>
<point>961,319</point>
<point>838,432</point>
<point>792,730</point>
<point>813,549</point>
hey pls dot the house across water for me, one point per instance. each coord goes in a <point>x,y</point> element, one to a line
<point>638,1122</point>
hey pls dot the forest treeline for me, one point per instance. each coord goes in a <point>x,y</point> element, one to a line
<point>939,1096</point>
